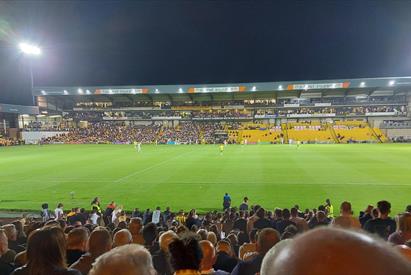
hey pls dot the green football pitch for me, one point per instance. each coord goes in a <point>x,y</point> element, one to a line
<point>197,176</point>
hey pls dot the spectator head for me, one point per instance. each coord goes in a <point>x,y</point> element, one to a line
<point>321,217</point>
<point>45,206</point>
<point>10,231</point>
<point>245,199</point>
<point>253,235</point>
<point>131,259</point>
<point>404,222</point>
<point>77,239</point>
<point>278,213</point>
<point>149,233</point>
<point>408,208</point>
<point>185,253</point>
<point>4,243</point>
<point>260,213</point>
<point>122,237</point>
<point>272,254</point>
<point>294,212</point>
<point>286,214</point>
<point>345,208</point>
<point>165,239</point>
<point>209,256</point>
<point>384,207</point>
<point>327,202</point>
<point>224,246</point>
<point>135,226</point>
<point>202,233</point>
<point>266,239</point>
<point>330,250</point>
<point>60,205</point>
<point>46,250</point>
<point>99,242</point>
<point>211,236</point>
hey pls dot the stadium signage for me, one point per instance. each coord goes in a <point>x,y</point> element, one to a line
<point>193,90</point>
<point>291,105</point>
<point>121,91</point>
<point>318,86</point>
<point>322,104</point>
<point>265,116</point>
<point>381,114</point>
<point>310,115</point>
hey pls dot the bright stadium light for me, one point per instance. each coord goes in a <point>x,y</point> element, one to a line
<point>362,84</point>
<point>391,83</point>
<point>280,87</point>
<point>156,91</point>
<point>110,91</point>
<point>180,90</point>
<point>80,91</point>
<point>88,92</point>
<point>254,88</point>
<point>65,92</point>
<point>43,92</point>
<point>29,49</point>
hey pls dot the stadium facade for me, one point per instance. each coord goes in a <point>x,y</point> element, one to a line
<point>326,111</point>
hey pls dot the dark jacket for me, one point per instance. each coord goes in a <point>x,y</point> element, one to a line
<point>250,267</point>
<point>225,262</point>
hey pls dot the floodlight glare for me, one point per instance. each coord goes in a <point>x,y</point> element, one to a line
<point>65,92</point>
<point>362,84</point>
<point>254,88</point>
<point>80,91</point>
<point>29,49</point>
<point>280,87</point>
<point>391,83</point>
<point>180,90</point>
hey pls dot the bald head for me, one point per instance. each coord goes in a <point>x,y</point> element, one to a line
<point>77,239</point>
<point>337,251</point>
<point>267,238</point>
<point>209,256</point>
<point>122,237</point>
<point>99,242</point>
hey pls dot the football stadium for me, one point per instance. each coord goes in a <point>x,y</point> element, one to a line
<point>205,138</point>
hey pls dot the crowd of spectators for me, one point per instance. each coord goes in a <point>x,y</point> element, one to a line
<point>240,241</point>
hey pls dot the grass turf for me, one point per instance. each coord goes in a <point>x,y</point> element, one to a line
<point>197,176</point>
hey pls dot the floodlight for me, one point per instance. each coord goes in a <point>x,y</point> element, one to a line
<point>180,90</point>
<point>80,91</point>
<point>391,83</point>
<point>65,92</point>
<point>254,88</point>
<point>29,49</point>
<point>43,92</point>
<point>280,87</point>
<point>88,92</point>
<point>157,91</point>
<point>362,84</point>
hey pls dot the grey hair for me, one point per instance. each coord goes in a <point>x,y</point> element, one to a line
<point>132,259</point>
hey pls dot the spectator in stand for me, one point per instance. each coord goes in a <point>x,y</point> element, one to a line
<point>6,255</point>
<point>250,247</point>
<point>300,222</point>
<point>403,233</point>
<point>21,235</point>
<point>135,225</point>
<point>262,221</point>
<point>283,222</point>
<point>267,238</point>
<point>346,219</point>
<point>408,208</point>
<point>122,237</point>
<point>58,212</point>
<point>131,259</point>
<point>383,225</point>
<point>161,258</point>
<point>251,220</point>
<point>99,243</point>
<point>11,233</point>
<point>320,219</point>
<point>45,213</point>
<point>226,201</point>
<point>192,219</point>
<point>150,235</point>
<point>244,205</point>
<point>76,244</point>
<point>208,260</point>
<point>240,223</point>
<point>366,215</point>
<point>181,218</point>
<point>326,251</point>
<point>46,253</point>
<point>136,213</point>
<point>108,212</point>
<point>225,257</point>
<point>186,255</point>
<point>329,208</point>
<point>96,204</point>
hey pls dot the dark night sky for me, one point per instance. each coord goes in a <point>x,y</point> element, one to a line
<point>175,42</point>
